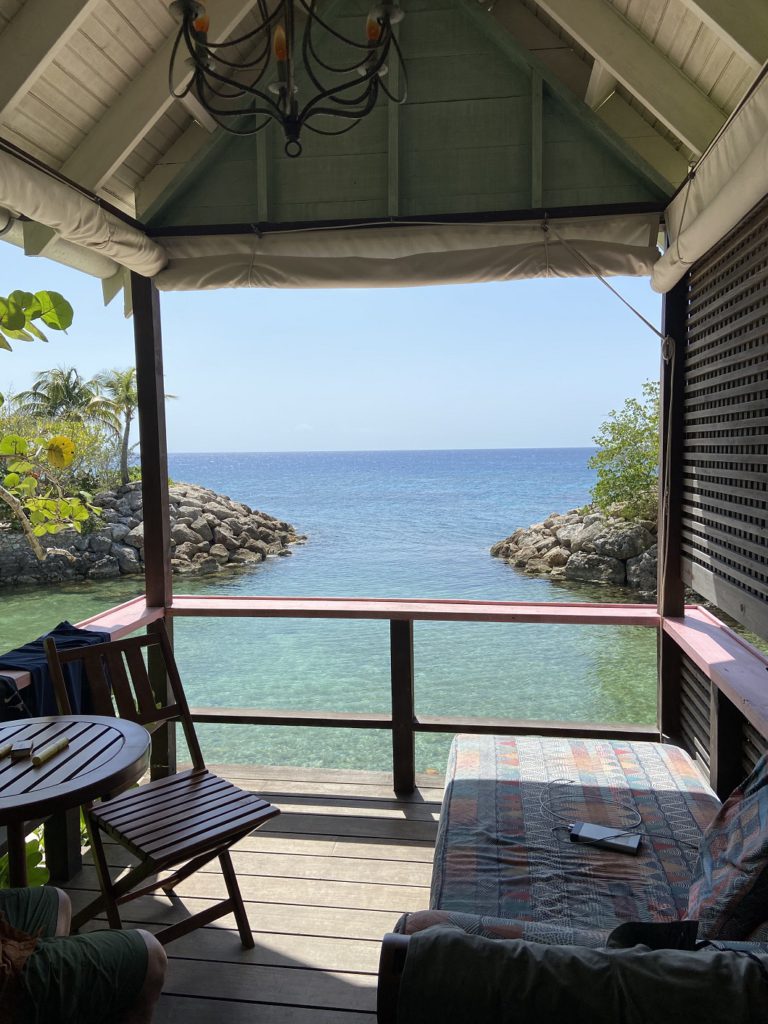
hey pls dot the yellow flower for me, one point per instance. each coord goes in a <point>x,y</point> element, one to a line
<point>60,451</point>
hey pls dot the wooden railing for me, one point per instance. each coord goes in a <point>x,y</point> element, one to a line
<point>737,674</point>
<point>403,722</point>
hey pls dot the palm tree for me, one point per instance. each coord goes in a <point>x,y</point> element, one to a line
<point>120,390</point>
<point>63,393</point>
<point>119,387</point>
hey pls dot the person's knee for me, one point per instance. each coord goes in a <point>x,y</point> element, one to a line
<point>157,962</point>
<point>64,914</point>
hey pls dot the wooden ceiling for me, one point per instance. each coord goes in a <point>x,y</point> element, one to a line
<point>512,104</point>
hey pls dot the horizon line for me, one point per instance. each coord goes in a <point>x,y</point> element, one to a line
<point>383,451</point>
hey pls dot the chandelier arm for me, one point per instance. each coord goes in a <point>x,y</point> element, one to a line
<point>341,131</point>
<point>268,20</point>
<point>372,86</point>
<point>401,64</point>
<point>251,91</point>
<point>309,8</point>
<point>311,110</point>
<point>308,49</point>
<point>171,67</point>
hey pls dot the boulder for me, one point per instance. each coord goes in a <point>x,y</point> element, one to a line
<point>593,568</point>
<point>624,542</point>
<point>566,534</point>
<point>186,551</point>
<point>106,568</point>
<point>641,571</point>
<point>119,532</point>
<point>100,542</point>
<point>220,553</point>
<point>127,558</point>
<point>135,537</point>
<point>201,528</point>
<point>181,534</point>
<point>555,557</point>
<point>223,536</point>
<point>587,536</point>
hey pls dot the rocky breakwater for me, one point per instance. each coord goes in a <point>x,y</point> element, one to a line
<point>587,547</point>
<point>210,533</point>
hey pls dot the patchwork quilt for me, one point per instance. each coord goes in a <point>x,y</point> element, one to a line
<point>504,850</point>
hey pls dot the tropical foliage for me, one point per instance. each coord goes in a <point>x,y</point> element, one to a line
<point>627,459</point>
<point>63,392</point>
<point>21,314</point>
<point>31,488</point>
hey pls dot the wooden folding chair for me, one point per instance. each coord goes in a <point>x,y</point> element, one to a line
<point>180,822</point>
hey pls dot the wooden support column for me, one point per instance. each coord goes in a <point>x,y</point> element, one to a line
<point>154,487</point>
<point>725,744</point>
<point>403,710</point>
<point>671,588</point>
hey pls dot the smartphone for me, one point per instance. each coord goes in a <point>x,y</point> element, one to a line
<point>607,838</point>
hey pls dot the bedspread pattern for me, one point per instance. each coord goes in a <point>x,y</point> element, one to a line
<point>503,847</point>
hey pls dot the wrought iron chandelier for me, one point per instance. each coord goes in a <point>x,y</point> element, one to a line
<point>244,94</point>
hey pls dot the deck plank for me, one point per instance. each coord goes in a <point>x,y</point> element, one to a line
<point>321,883</point>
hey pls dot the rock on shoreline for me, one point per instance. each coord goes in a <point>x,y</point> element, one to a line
<point>209,533</point>
<point>588,547</point>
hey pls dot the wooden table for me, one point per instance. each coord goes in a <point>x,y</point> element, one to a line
<point>104,756</point>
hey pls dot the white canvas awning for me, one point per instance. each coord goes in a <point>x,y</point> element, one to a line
<point>404,255</point>
<point>729,180</point>
<point>75,217</point>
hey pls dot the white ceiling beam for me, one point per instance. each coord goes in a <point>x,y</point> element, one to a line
<point>602,85</point>
<point>742,24</point>
<point>641,68</point>
<point>140,106</point>
<point>30,42</point>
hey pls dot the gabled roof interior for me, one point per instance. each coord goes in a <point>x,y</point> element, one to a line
<point>513,106</point>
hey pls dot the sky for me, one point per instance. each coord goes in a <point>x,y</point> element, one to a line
<point>520,364</point>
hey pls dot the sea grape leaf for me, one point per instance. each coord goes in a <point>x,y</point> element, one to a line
<point>55,311</point>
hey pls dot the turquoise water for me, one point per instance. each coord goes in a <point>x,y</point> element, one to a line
<point>386,524</point>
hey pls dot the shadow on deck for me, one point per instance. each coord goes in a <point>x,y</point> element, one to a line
<point>322,883</point>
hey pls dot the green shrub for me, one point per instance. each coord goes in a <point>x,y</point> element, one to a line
<point>627,459</point>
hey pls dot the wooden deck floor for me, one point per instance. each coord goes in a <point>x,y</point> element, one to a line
<point>322,883</point>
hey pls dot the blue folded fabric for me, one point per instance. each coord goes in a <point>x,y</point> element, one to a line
<point>38,698</point>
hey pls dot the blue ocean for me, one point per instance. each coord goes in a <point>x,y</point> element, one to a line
<point>388,524</point>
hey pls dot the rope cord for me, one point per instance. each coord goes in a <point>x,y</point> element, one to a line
<point>546,227</point>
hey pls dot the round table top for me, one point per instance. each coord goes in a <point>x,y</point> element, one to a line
<point>104,755</point>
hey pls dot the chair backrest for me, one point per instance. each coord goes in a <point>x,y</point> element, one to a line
<point>119,682</point>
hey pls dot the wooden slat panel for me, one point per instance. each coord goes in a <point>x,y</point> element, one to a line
<point>725,504</point>
<point>694,711</point>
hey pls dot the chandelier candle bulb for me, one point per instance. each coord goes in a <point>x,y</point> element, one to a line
<point>373,29</point>
<point>280,45</point>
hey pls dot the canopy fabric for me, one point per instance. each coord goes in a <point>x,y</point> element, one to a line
<point>729,180</point>
<point>27,191</point>
<point>402,255</point>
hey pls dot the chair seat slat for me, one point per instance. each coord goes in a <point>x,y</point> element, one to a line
<point>160,817</point>
<point>227,833</point>
<point>160,803</point>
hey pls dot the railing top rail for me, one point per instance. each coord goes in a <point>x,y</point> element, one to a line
<point>415,610</point>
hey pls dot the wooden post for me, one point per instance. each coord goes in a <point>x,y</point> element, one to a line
<point>671,588</point>
<point>403,711</point>
<point>725,725</point>
<point>63,856</point>
<point>154,487</point>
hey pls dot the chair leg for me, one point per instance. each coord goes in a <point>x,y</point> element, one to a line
<point>238,907</point>
<point>102,871</point>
